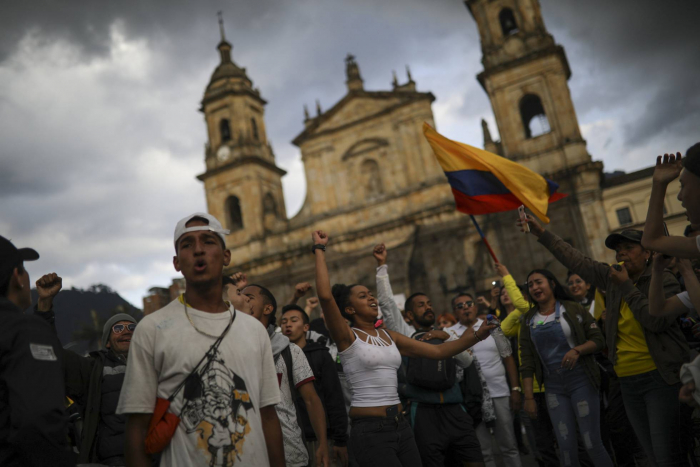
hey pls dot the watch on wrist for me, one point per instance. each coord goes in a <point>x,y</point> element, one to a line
<point>318,246</point>
<point>516,388</point>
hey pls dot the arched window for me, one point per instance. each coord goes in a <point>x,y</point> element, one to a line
<point>233,211</point>
<point>269,204</point>
<point>225,130</point>
<point>254,124</point>
<point>534,119</point>
<point>508,24</point>
<point>373,181</point>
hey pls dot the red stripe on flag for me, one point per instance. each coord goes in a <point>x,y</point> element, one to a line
<point>487,204</point>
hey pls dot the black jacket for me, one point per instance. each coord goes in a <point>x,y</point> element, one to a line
<point>84,380</point>
<point>33,419</point>
<point>327,385</point>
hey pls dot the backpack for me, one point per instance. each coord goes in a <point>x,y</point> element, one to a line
<point>473,393</point>
<point>286,355</point>
<point>437,375</point>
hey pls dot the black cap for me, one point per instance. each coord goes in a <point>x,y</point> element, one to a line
<point>630,235</point>
<point>11,257</point>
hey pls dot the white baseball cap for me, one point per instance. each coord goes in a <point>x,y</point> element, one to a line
<point>213,226</point>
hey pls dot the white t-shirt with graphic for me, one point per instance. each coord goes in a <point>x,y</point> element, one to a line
<point>222,426</point>
<point>295,452</point>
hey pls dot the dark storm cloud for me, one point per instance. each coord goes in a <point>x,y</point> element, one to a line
<point>640,55</point>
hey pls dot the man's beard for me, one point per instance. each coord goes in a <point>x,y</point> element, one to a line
<point>425,322</point>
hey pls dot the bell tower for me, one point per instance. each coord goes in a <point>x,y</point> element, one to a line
<point>243,185</point>
<point>525,76</point>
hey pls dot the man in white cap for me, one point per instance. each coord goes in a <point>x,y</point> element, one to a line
<point>220,358</point>
<point>95,381</point>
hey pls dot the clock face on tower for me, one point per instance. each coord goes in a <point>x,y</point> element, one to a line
<point>223,153</point>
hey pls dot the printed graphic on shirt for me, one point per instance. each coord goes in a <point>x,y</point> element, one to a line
<point>218,411</point>
<point>295,452</point>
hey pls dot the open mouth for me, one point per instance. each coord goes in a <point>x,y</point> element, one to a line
<point>537,294</point>
<point>373,305</point>
<point>200,265</point>
<point>126,339</point>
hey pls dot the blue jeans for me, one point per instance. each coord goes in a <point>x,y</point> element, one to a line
<point>657,417</point>
<point>572,400</point>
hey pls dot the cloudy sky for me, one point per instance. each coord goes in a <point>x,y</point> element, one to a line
<point>100,137</point>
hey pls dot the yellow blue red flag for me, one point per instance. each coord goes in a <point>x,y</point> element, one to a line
<point>484,183</point>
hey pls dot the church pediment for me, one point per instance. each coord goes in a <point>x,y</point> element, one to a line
<point>358,107</point>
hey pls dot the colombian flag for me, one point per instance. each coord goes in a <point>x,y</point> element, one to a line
<point>484,183</point>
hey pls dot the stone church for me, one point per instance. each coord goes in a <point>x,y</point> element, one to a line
<point>371,175</point>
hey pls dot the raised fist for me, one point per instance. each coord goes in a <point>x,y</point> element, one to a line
<point>311,304</point>
<point>380,254</point>
<point>319,237</point>
<point>301,289</point>
<point>501,269</point>
<point>49,285</point>
<point>240,279</point>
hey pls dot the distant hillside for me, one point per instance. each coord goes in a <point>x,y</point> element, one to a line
<point>80,314</point>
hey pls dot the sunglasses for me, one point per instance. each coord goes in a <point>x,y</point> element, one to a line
<point>467,304</point>
<point>119,328</point>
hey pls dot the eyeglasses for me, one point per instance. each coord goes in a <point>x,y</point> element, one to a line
<point>462,305</point>
<point>119,328</point>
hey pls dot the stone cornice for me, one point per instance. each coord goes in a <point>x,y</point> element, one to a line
<point>243,160</point>
<point>292,252</point>
<point>406,98</point>
<point>557,50</point>
<point>228,90</point>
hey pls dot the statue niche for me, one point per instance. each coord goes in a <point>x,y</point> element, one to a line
<point>270,215</point>
<point>372,179</point>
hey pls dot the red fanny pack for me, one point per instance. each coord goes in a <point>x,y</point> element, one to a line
<point>162,427</point>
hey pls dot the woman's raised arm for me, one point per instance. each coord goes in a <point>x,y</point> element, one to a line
<point>337,326</point>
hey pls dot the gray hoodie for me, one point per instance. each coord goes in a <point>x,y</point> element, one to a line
<point>277,340</point>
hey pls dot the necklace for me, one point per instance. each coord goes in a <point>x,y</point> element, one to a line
<point>184,303</point>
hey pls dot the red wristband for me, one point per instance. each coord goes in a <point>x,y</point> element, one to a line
<point>578,352</point>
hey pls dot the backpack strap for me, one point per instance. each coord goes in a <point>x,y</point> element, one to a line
<point>296,397</point>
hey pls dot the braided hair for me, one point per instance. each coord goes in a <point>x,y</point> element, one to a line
<point>341,295</point>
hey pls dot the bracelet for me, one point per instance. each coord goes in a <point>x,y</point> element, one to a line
<point>477,336</point>
<point>578,352</point>
<point>318,246</point>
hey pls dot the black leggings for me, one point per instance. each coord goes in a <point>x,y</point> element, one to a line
<point>383,441</point>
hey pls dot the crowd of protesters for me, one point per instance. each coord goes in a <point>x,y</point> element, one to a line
<point>595,368</point>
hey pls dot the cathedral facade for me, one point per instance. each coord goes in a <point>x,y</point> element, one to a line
<point>371,175</point>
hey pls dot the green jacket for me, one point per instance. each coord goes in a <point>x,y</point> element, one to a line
<point>583,329</point>
<point>667,346</point>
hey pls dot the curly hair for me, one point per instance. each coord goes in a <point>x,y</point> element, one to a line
<point>341,295</point>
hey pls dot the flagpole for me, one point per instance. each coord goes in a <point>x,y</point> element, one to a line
<point>483,237</point>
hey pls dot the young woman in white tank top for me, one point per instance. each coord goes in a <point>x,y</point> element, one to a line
<point>380,435</point>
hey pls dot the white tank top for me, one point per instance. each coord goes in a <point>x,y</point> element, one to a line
<point>370,368</point>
